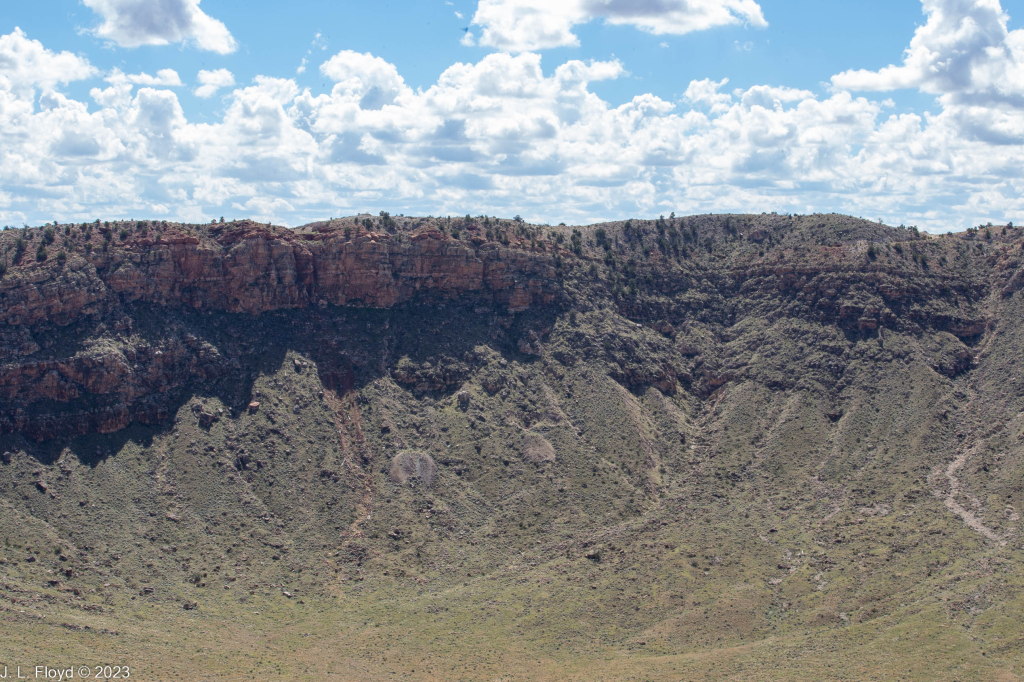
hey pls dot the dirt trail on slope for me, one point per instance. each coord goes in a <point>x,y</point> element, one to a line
<point>968,517</point>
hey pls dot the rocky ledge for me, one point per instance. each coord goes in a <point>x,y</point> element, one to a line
<point>252,268</point>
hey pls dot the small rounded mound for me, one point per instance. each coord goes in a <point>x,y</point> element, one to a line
<point>537,449</point>
<point>409,465</point>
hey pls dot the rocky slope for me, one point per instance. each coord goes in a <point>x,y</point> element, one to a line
<point>708,445</point>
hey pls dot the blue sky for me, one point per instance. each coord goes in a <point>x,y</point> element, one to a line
<point>573,110</point>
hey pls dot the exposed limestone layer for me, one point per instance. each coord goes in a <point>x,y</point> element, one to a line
<point>253,269</point>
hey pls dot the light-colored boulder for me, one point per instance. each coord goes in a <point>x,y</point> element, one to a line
<point>409,465</point>
<point>536,448</point>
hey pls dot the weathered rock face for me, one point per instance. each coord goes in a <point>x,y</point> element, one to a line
<point>254,269</point>
<point>692,303</point>
<point>102,389</point>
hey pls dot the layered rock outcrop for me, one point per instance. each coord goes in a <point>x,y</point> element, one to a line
<point>706,288</point>
<point>252,269</point>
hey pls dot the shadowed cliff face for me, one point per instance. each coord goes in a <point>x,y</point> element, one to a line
<point>118,377</point>
<point>678,437</point>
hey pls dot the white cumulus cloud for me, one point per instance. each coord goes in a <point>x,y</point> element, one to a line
<point>25,64</point>
<point>133,23</point>
<point>965,54</point>
<point>523,25</point>
<point>212,81</point>
<point>706,92</point>
<point>371,80</point>
<point>503,135</point>
<point>964,49</point>
<point>163,77</point>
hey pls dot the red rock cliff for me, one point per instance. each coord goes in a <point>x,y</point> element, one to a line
<point>253,269</point>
